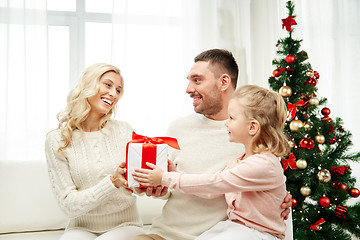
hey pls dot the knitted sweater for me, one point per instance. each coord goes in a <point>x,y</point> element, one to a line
<point>205,148</point>
<point>254,189</point>
<point>81,181</point>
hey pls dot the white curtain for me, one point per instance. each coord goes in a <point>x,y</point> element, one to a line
<point>23,79</point>
<point>154,42</point>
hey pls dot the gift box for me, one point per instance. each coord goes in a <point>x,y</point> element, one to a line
<point>142,149</point>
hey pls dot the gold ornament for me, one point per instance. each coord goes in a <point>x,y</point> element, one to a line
<point>301,163</point>
<point>295,125</point>
<point>324,175</point>
<point>314,101</point>
<point>320,139</point>
<point>310,73</point>
<point>308,125</point>
<point>291,143</point>
<point>305,191</point>
<point>285,91</point>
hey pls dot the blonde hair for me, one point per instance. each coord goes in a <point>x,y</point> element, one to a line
<point>78,108</point>
<point>269,110</point>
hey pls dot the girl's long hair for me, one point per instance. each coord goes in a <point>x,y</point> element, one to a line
<point>269,110</point>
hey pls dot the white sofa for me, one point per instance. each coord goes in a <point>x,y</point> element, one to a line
<point>28,209</point>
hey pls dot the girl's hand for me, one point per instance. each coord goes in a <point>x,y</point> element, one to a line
<point>149,177</point>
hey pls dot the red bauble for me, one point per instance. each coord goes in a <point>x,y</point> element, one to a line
<point>290,59</point>
<point>313,81</point>
<point>316,74</point>
<point>276,73</point>
<point>306,143</point>
<point>333,140</point>
<point>354,192</point>
<point>324,202</point>
<point>342,186</point>
<point>325,111</point>
<point>294,202</point>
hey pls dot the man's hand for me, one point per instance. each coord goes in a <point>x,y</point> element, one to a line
<point>158,191</point>
<point>286,206</point>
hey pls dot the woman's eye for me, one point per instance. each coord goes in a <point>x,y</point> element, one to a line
<point>108,84</point>
<point>118,91</point>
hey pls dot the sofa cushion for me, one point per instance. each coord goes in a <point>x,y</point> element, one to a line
<point>27,202</point>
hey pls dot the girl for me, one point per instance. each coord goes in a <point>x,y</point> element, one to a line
<point>83,156</point>
<point>253,184</point>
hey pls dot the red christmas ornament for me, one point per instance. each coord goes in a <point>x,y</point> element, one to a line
<point>306,143</point>
<point>342,186</point>
<point>313,81</point>
<point>294,202</point>
<point>290,59</point>
<point>340,211</point>
<point>333,140</point>
<point>354,192</point>
<point>316,74</point>
<point>325,111</point>
<point>276,73</point>
<point>324,201</point>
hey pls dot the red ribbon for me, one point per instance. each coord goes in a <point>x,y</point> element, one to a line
<point>288,22</point>
<point>292,109</point>
<point>318,223</point>
<point>339,170</point>
<point>289,162</point>
<point>172,142</point>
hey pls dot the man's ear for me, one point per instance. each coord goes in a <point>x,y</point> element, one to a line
<point>225,82</point>
<point>254,127</point>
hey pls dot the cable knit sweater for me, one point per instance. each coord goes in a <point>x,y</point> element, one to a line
<point>81,181</point>
<point>205,148</point>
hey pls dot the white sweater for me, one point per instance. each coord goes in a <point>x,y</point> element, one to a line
<point>205,148</point>
<point>81,180</point>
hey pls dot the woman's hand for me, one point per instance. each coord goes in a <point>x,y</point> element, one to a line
<point>118,179</point>
<point>149,177</point>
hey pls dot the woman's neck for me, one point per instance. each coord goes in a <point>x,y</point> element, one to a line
<point>91,124</point>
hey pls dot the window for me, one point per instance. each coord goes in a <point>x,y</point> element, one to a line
<point>45,45</point>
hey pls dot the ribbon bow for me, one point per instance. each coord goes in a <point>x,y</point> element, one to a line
<point>339,169</point>
<point>288,22</point>
<point>172,142</point>
<point>292,109</point>
<point>289,162</point>
<point>317,224</point>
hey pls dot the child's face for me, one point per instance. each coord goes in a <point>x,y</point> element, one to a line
<point>237,124</point>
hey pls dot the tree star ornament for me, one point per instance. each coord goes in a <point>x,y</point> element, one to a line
<point>288,22</point>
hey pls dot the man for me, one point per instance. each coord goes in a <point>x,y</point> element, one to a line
<point>204,149</point>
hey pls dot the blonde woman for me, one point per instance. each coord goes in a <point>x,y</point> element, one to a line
<point>254,183</point>
<point>83,156</point>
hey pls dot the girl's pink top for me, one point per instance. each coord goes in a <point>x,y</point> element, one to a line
<point>254,189</point>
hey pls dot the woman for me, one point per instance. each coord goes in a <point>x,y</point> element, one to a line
<point>83,156</point>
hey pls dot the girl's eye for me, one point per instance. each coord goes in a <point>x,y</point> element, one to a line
<point>118,91</point>
<point>108,84</point>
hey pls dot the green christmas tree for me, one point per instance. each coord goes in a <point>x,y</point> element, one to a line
<point>318,168</point>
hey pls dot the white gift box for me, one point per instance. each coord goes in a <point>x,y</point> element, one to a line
<point>137,158</point>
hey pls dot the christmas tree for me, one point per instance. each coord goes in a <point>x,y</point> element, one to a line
<point>318,168</point>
